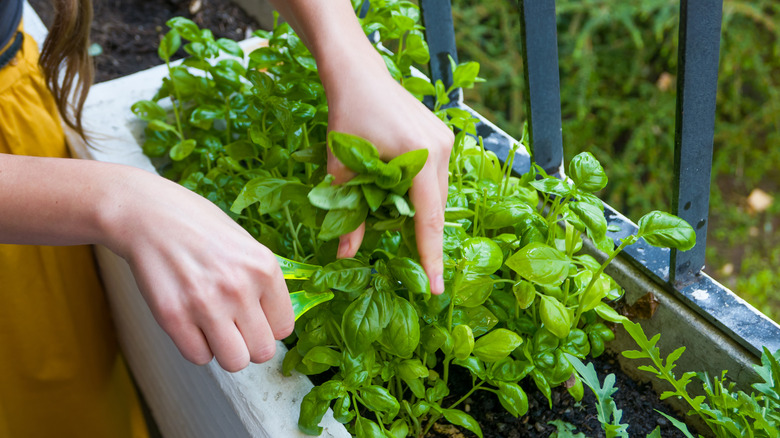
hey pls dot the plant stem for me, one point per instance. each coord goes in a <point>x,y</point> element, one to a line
<point>626,242</point>
<point>296,243</point>
<point>178,99</point>
<point>435,418</point>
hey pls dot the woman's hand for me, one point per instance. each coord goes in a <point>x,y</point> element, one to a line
<point>364,100</point>
<point>369,103</point>
<point>211,286</point>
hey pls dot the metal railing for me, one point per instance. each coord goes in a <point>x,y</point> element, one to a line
<point>677,271</point>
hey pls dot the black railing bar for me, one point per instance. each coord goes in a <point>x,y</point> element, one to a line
<point>542,83</point>
<point>697,84</point>
<point>440,35</point>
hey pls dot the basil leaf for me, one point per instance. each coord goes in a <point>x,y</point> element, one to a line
<point>159,125</point>
<point>373,195</point>
<point>463,341</point>
<point>182,149</point>
<point>354,152</point>
<point>329,197</point>
<point>364,320</point>
<point>341,410</point>
<point>480,319</point>
<point>291,359</point>
<point>419,87</point>
<point>230,47</point>
<point>591,216</point>
<point>411,275</point>
<point>460,418</point>
<point>609,314</point>
<point>472,290</point>
<point>342,221</point>
<point>465,75</point>
<point>666,230</point>
<point>148,110</point>
<point>399,429</point>
<point>551,186</point>
<point>402,335</point>
<point>513,398</point>
<point>403,207</point>
<point>186,27</point>
<point>169,45</point>
<point>417,49</point>
<point>496,345</point>
<point>587,173</point>
<point>593,296</point>
<point>540,264</point>
<point>348,275</point>
<point>379,399</point>
<point>311,412</point>
<point>554,316</point>
<point>365,428</point>
<point>525,293</point>
<point>388,175</point>
<point>506,213</point>
<point>484,256</point>
<point>241,150</point>
<point>262,189</point>
<point>322,355</point>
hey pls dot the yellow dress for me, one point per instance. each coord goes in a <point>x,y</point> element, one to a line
<point>61,372</point>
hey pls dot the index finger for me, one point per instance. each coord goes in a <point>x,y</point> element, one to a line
<point>426,197</point>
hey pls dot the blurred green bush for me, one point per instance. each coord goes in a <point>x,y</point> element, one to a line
<point>618,63</point>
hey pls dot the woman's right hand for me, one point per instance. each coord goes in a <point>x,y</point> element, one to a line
<point>211,286</point>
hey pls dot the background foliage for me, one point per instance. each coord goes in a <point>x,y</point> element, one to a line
<point>618,64</point>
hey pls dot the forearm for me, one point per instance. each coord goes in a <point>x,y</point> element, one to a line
<point>333,34</point>
<point>56,201</point>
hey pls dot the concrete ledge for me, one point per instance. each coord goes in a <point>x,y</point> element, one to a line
<point>707,347</point>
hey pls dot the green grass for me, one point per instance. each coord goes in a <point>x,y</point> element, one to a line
<point>618,64</point>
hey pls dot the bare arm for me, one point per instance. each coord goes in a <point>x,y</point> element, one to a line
<point>211,286</point>
<point>364,100</point>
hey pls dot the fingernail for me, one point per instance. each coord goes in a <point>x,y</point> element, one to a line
<point>343,248</point>
<point>438,285</point>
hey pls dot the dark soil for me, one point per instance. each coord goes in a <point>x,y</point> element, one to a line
<point>128,32</point>
<point>637,401</point>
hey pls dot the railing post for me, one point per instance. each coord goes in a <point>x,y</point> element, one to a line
<point>542,83</point>
<point>697,84</point>
<point>440,36</point>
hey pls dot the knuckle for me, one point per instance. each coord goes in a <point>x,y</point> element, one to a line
<point>200,303</point>
<point>283,330</point>
<point>432,220</point>
<point>263,353</point>
<point>234,364</point>
<point>170,315</point>
<point>234,357</point>
<point>199,358</point>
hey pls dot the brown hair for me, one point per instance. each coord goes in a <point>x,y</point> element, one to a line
<point>66,46</point>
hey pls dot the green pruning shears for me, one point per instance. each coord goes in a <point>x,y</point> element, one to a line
<point>302,301</point>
